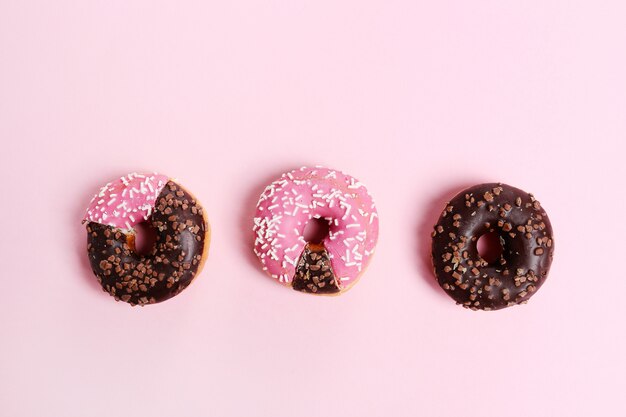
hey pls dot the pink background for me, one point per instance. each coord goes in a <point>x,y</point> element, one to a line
<point>415,99</point>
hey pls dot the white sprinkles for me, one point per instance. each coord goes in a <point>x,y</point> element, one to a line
<point>125,202</point>
<point>287,204</point>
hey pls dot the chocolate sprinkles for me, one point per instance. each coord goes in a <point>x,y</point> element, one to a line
<point>524,231</point>
<point>174,261</point>
<point>314,273</point>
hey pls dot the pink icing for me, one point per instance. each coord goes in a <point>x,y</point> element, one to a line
<point>127,201</point>
<point>287,205</point>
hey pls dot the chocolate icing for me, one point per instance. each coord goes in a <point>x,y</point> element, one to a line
<point>527,247</point>
<point>171,265</point>
<point>314,273</point>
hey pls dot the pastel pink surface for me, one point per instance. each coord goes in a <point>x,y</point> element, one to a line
<point>289,203</point>
<point>416,99</point>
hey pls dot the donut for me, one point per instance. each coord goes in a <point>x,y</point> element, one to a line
<point>182,238</point>
<point>333,265</point>
<point>524,232</point>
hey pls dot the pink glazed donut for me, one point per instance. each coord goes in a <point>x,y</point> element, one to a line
<point>283,211</point>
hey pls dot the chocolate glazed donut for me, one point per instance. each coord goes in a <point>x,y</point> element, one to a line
<point>524,232</point>
<point>182,239</point>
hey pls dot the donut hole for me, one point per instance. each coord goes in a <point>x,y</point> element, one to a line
<point>145,238</point>
<point>316,230</point>
<point>490,247</point>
